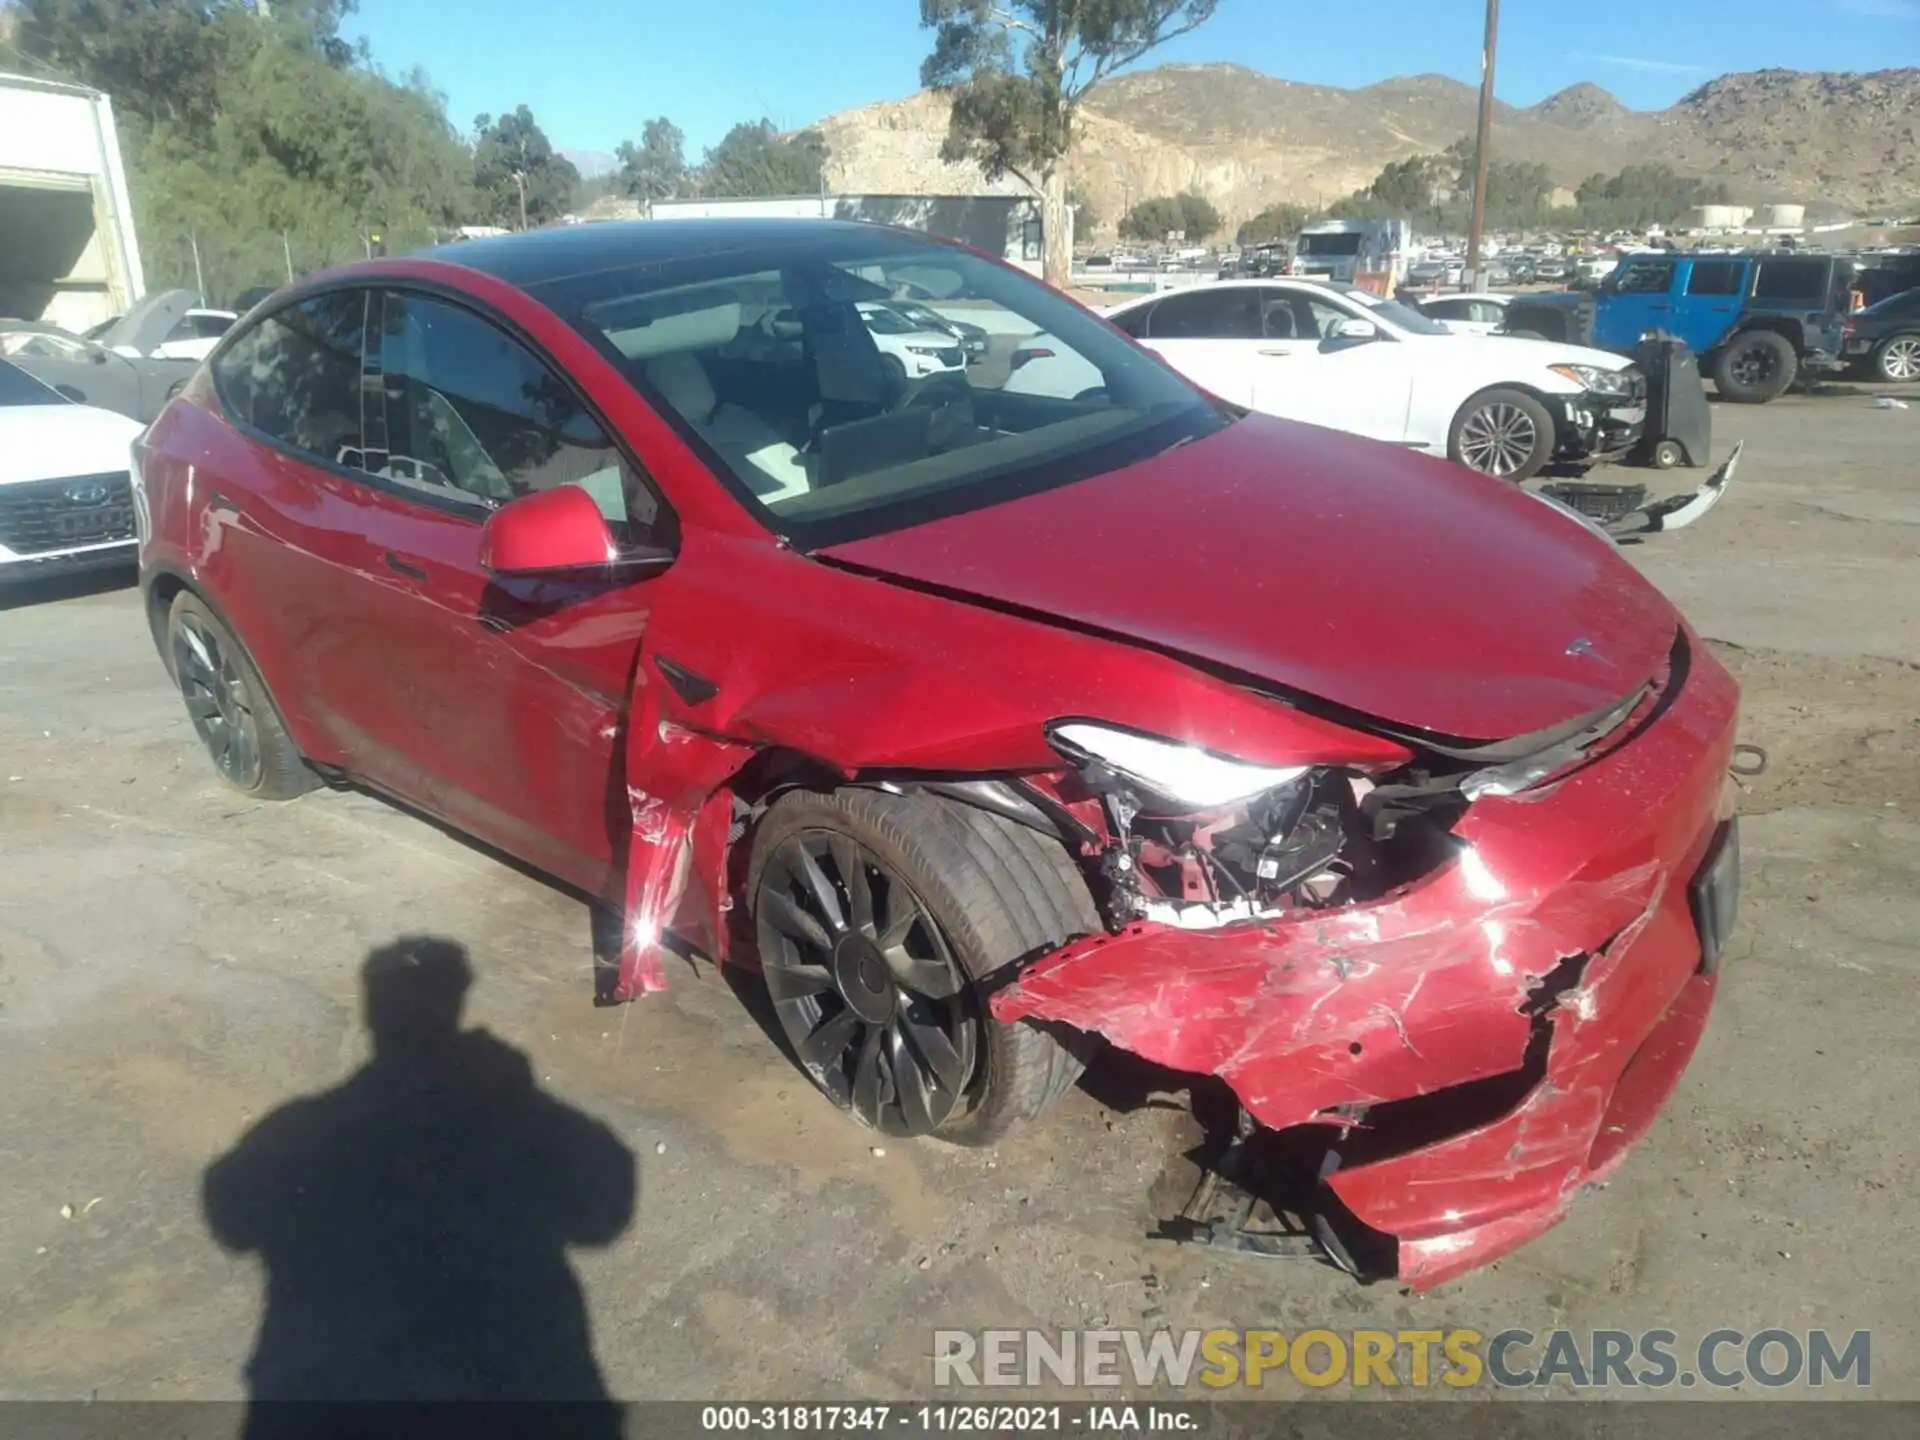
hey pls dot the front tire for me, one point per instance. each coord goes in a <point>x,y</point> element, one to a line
<point>1756,367</point>
<point>1503,433</point>
<point>229,706</point>
<point>1898,358</point>
<point>877,915</point>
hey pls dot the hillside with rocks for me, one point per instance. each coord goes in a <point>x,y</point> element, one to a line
<point>1247,140</point>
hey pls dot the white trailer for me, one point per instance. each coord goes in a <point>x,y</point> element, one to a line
<point>67,249</point>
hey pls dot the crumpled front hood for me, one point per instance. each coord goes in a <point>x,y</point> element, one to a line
<point>1395,585</point>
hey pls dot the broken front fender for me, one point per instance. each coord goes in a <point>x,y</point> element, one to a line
<point>1564,921</point>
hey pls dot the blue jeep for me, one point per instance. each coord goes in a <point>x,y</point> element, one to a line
<point>1757,320</point>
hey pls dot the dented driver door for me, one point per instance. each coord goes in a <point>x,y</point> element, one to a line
<point>517,687</point>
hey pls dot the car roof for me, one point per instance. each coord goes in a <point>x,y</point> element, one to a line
<point>538,257</point>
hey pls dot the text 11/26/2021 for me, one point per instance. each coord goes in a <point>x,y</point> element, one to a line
<point>1096,1419</point>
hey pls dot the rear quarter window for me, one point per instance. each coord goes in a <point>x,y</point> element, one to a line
<point>295,376</point>
<point>1792,280</point>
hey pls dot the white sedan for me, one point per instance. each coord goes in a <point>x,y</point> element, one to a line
<point>66,501</point>
<point>1349,360</point>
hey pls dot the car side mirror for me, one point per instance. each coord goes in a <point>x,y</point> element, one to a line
<point>560,530</point>
<point>1355,330</point>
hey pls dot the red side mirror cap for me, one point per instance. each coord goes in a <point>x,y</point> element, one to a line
<point>557,529</point>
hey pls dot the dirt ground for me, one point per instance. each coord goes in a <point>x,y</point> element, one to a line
<point>175,964</point>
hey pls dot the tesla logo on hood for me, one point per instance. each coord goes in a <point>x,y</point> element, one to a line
<point>1581,645</point>
<point>88,492</point>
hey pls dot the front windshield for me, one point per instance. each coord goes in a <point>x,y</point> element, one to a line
<point>45,344</point>
<point>1346,242</point>
<point>1403,317</point>
<point>835,417</point>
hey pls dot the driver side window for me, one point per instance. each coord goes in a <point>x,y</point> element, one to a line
<point>1645,277</point>
<point>464,412</point>
<point>1318,317</point>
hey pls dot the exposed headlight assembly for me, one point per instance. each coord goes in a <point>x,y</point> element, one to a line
<point>1195,778</point>
<point>1600,382</point>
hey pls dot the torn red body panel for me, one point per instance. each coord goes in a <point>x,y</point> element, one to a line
<point>1429,989</point>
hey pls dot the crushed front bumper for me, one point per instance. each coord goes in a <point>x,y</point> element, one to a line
<point>1556,963</point>
<point>1594,427</point>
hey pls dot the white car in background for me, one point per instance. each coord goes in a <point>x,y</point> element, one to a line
<point>914,350</point>
<point>1470,314</point>
<point>66,497</point>
<point>1349,360</point>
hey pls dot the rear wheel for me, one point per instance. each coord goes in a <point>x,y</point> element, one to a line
<point>1756,367</point>
<point>1898,358</point>
<point>1504,433</point>
<point>229,706</point>
<point>876,916</point>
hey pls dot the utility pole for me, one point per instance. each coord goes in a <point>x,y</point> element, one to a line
<point>199,279</point>
<point>286,249</point>
<point>520,183</point>
<point>1482,142</point>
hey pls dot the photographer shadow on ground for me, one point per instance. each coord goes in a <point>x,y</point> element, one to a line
<point>414,1221</point>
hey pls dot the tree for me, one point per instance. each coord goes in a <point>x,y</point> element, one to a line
<point>753,158</point>
<point>1276,222</point>
<point>656,168</point>
<point>1186,214</point>
<point>1014,114</point>
<point>165,60</point>
<point>1151,219</point>
<point>520,177</point>
<point>256,139</point>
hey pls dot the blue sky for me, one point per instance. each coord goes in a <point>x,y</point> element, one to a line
<point>594,70</point>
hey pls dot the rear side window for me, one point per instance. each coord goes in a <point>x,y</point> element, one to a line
<point>1229,313</point>
<point>1716,277</point>
<point>469,414</point>
<point>295,376</point>
<point>1792,280</point>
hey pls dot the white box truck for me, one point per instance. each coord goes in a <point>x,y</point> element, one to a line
<point>67,249</point>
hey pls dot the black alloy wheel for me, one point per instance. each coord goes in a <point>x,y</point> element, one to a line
<point>218,701</point>
<point>867,990</point>
<point>1755,367</point>
<point>229,705</point>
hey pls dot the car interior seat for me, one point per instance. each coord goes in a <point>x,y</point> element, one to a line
<point>768,461</point>
<point>854,379</point>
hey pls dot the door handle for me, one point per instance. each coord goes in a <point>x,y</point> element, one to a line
<point>1276,354</point>
<point>401,567</point>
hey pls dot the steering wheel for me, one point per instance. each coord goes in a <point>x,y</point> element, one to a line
<point>950,397</point>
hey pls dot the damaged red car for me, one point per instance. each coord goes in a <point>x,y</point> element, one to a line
<point>986,725</point>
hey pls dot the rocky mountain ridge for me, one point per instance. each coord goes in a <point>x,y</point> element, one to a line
<point>1247,140</point>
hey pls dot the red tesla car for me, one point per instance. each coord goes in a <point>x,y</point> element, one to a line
<point>980,723</point>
